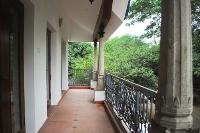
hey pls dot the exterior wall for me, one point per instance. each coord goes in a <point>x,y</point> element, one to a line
<point>40,65</point>
<point>29,91</point>
<point>65,66</point>
<point>55,68</point>
<point>38,17</point>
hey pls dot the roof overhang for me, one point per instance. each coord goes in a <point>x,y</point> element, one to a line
<point>83,21</point>
<point>103,18</point>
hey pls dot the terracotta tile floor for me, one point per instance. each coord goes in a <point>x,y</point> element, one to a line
<point>77,113</point>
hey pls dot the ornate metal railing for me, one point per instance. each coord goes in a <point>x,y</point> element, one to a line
<point>132,104</point>
<point>80,77</point>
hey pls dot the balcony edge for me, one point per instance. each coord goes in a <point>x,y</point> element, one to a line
<point>115,122</point>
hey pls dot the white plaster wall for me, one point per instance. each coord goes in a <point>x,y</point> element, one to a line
<point>36,19</point>
<point>64,66</point>
<point>53,25</point>
<point>67,64</point>
<point>55,68</point>
<point>29,91</point>
<point>43,14</point>
<point>40,64</point>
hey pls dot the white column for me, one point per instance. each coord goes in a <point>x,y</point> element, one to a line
<point>100,91</point>
<point>95,67</point>
<point>64,65</point>
<point>175,98</point>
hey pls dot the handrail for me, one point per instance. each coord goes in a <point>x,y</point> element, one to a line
<point>132,104</point>
<point>139,87</point>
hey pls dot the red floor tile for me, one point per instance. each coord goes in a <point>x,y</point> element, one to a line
<point>77,113</point>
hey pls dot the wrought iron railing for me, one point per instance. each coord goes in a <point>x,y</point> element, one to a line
<point>80,77</point>
<point>132,104</point>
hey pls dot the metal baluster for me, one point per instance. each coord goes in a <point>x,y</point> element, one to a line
<point>140,113</point>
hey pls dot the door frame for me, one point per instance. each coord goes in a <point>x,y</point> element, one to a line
<point>49,65</point>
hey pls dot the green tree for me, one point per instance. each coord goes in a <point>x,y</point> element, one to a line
<point>80,55</point>
<point>129,57</point>
<point>142,10</point>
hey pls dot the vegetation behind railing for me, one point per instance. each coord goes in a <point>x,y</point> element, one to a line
<point>80,77</point>
<point>132,104</point>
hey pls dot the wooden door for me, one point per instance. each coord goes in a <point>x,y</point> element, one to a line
<point>11,67</point>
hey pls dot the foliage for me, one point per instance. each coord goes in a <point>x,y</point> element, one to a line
<point>130,58</point>
<point>127,57</point>
<point>142,10</point>
<point>80,55</point>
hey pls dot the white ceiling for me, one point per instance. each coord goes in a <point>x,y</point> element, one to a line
<point>80,17</point>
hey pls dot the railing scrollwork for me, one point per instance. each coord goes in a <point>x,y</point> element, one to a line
<point>132,104</point>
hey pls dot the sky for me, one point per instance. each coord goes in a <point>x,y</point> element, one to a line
<point>136,30</point>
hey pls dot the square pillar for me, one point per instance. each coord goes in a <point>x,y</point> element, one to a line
<point>175,95</point>
<point>100,89</point>
<point>93,83</point>
<point>64,66</point>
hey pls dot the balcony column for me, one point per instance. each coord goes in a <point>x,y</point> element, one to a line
<point>100,90</point>
<point>175,95</point>
<point>95,67</point>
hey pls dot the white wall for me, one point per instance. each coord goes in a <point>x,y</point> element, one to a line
<point>65,66</point>
<point>37,18</point>
<point>40,14</point>
<point>55,68</point>
<point>29,91</point>
<point>40,64</point>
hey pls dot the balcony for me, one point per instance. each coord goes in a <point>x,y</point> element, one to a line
<point>128,107</point>
<point>133,106</point>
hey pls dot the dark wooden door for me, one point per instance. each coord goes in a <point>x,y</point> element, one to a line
<point>48,64</point>
<point>11,67</point>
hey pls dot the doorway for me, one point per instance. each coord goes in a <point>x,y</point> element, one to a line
<point>11,67</point>
<point>48,68</point>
